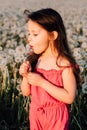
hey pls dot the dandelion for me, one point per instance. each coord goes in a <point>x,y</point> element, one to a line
<point>0,48</point>
<point>77,53</point>
<point>2,67</point>
<point>82,62</point>
<point>4,61</point>
<point>84,45</point>
<point>81,39</point>
<point>11,52</point>
<point>20,50</point>
<point>19,58</point>
<point>14,43</point>
<point>84,88</point>
<point>8,44</point>
<point>28,49</point>
<point>78,28</point>
<point>85,31</point>
<point>21,34</point>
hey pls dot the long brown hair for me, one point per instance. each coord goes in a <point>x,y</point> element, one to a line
<point>51,20</point>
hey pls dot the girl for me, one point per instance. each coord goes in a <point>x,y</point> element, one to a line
<point>50,74</point>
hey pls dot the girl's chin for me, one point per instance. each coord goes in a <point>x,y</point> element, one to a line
<point>37,52</point>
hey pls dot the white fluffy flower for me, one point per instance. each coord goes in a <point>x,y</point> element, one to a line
<point>4,61</point>
<point>11,52</point>
<point>81,38</point>
<point>82,62</point>
<point>78,27</point>
<point>77,53</point>
<point>27,48</point>
<point>81,69</point>
<point>20,50</point>
<point>0,48</point>
<point>85,31</point>
<point>84,87</point>
<point>19,58</point>
<point>84,45</point>
<point>21,34</point>
<point>8,43</point>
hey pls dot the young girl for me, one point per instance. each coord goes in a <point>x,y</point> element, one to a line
<point>50,74</point>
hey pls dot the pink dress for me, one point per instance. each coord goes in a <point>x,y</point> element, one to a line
<point>47,113</point>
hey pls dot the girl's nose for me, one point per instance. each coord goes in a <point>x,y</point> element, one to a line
<point>29,38</point>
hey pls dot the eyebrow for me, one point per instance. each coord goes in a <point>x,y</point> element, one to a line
<point>34,30</point>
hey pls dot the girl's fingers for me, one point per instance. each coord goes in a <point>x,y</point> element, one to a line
<point>28,62</point>
<point>25,68</point>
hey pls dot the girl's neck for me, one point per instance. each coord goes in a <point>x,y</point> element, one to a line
<point>47,60</point>
<point>50,52</point>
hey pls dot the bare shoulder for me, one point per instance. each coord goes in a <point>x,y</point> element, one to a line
<point>64,62</point>
<point>67,69</point>
<point>68,74</point>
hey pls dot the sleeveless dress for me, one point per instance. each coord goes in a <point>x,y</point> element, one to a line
<point>47,113</point>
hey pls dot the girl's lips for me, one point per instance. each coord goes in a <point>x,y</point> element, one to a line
<point>31,47</point>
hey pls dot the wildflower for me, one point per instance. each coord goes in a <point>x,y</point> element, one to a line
<point>11,52</point>
<point>20,50</point>
<point>28,49</point>
<point>84,88</point>
<point>85,31</point>
<point>19,58</point>
<point>21,34</point>
<point>0,48</point>
<point>84,45</point>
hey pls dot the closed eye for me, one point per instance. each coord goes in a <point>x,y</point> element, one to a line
<point>35,34</point>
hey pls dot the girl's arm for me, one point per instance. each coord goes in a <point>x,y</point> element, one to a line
<point>25,68</point>
<point>65,94</point>
<point>25,87</point>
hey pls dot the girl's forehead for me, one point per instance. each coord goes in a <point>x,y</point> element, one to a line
<point>32,25</point>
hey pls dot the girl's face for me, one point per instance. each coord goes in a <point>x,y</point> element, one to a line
<point>38,37</point>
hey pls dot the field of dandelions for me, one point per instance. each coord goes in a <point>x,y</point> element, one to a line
<point>14,50</point>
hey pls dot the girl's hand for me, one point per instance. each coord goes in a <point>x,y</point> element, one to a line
<point>25,68</point>
<point>35,79</point>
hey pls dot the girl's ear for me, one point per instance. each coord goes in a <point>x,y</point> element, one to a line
<point>53,35</point>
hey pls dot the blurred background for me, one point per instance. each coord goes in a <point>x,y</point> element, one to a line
<point>14,107</point>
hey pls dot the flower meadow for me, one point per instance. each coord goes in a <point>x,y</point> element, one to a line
<point>14,50</point>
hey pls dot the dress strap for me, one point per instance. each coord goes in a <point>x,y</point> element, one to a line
<point>72,66</point>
